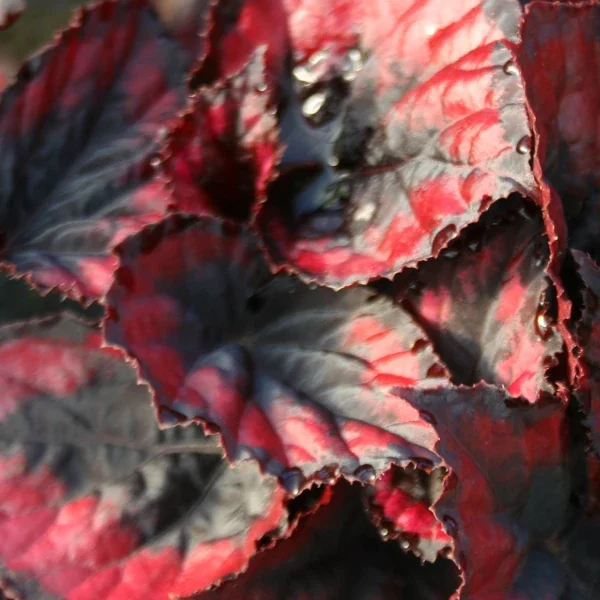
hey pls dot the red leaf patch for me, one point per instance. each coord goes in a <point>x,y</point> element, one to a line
<point>220,156</point>
<point>487,305</point>
<point>296,377</point>
<point>95,500</point>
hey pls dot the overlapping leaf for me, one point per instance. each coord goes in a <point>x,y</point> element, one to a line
<point>507,495</point>
<point>336,553</point>
<point>220,156</point>
<point>559,60</point>
<point>294,376</point>
<point>400,502</point>
<point>400,131</point>
<point>95,500</point>
<point>78,131</point>
<point>487,305</point>
<point>588,330</point>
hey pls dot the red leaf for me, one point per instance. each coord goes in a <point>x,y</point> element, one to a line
<point>508,489</point>
<point>559,61</point>
<point>295,377</point>
<point>336,553</point>
<point>220,156</point>
<point>588,337</point>
<point>400,502</point>
<point>485,303</point>
<point>95,501</point>
<point>78,131</point>
<point>397,137</point>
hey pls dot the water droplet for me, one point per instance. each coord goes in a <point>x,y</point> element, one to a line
<point>450,526</point>
<point>442,238</point>
<point>327,474</point>
<point>450,253</point>
<point>349,76</point>
<point>422,463</point>
<point>365,212</point>
<point>365,473</point>
<point>161,134</point>
<point>356,57</point>
<point>313,104</point>
<point>524,145</point>
<point>405,545</point>
<point>510,68</point>
<point>261,87</point>
<point>304,75</point>
<point>292,481</point>
<point>318,57</point>
<point>436,370</point>
<point>543,326</point>
<point>419,346</point>
<point>155,162</point>
<point>446,552</point>
<point>333,161</point>
<point>474,245</point>
<point>428,417</point>
<point>384,532</point>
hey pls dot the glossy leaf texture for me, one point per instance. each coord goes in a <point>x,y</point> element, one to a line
<point>10,11</point>
<point>337,553</point>
<point>488,306</point>
<point>400,503</point>
<point>559,60</point>
<point>220,157</point>
<point>588,337</point>
<point>294,376</point>
<point>508,482</point>
<point>78,133</point>
<point>399,132</point>
<point>95,500</point>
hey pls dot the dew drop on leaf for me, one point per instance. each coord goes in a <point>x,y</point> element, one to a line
<point>365,474</point>
<point>524,145</point>
<point>510,68</point>
<point>292,481</point>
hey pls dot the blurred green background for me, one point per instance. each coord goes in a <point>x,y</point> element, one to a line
<point>34,29</point>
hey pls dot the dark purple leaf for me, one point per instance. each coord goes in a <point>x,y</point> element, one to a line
<point>507,492</point>
<point>337,553</point>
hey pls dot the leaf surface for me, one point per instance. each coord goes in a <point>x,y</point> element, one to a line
<point>78,133</point>
<point>588,337</point>
<point>488,305</point>
<point>293,376</point>
<point>401,502</point>
<point>508,482</point>
<point>400,131</point>
<point>559,60</point>
<point>95,500</point>
<point>337,553</point>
